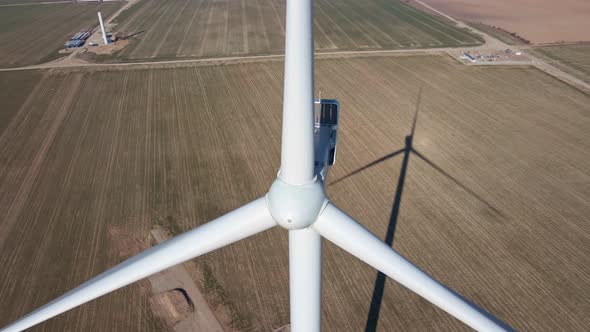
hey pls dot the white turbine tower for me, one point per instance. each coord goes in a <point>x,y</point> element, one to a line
<point>104,34</point>
<point>297,202</point>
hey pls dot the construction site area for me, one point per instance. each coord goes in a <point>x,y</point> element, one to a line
<point>507,56</point>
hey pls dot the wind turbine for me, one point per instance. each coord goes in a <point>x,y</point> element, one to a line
<point>297,202</point>
<point>105,38</point>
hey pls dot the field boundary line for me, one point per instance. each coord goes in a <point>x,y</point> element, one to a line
<point>489,42</point>
<point>232,60</point>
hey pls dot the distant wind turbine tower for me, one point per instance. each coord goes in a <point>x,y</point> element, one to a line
<point>104,33</point>
<point>296,202</point>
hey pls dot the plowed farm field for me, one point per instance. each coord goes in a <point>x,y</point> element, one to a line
<point>207,28</point>
<point>571,58</point>
<point>6,3</point>
<point>34,34</point>
<point>495,195</point>
<point>541,21</point>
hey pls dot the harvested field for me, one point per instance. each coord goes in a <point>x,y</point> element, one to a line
<point>33,34</point>
<point>503,35</point>
<point>497,208</point>
<point>574,59</point>
<point>541,21</point>
<point>16,88</point>
<point>28,2</point>
<point>207,28</point>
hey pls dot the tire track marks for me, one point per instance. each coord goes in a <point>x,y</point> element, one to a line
<point>34,169</point>
<point>188,29</point>
<point>170,27</point>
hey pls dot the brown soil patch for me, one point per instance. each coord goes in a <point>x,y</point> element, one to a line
<point>125,244</point>
<point>110,48</point>
<point>187,143</point>
<point>541,21</point>
<point>172,306</point>
<point>172,296</point>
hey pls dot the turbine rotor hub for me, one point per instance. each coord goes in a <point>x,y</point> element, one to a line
<point>296,206</point>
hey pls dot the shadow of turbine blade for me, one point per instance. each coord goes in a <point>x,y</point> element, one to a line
<point>380,160</point>
<point>456,181</point>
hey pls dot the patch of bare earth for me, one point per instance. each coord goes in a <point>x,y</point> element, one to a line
<point>110,48</point>
<point>125,243</point>
<point>541,21</point>
<point>172,306</point>
<point>286,328</point>
<point>173,296</point>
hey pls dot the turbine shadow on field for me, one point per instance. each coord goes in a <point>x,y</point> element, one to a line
<point>375,307</point>
<point>134,34</point>
<point>379,287</point>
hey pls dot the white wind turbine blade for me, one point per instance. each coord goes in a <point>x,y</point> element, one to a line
<point>342,230</point>
<point>297,154</point>
<point>305,280</point>
<point>231,227</point>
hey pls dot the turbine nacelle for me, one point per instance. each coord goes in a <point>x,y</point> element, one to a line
<point>296,206</point>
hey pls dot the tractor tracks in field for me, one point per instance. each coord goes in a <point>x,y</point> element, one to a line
<point>490,43</point>
<point>58,110</point>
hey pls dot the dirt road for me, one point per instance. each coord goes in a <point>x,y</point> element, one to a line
<point>490,43</point>
<point>70,62</point>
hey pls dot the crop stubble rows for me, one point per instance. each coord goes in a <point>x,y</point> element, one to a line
<point>23,2</point>
<point>189,144</point>
<point>206,28</point>
<point>571,58</point>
